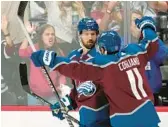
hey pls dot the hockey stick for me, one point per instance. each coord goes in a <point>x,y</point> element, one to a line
<point>26,88</point>
<point>22,7</point>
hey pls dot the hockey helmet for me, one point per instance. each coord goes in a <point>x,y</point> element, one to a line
<point>87,24</point>
<point>110,41</point>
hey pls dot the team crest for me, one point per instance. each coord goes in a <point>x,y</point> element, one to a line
<point>86,89</point>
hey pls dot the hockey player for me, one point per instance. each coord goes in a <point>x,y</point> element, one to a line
<point>92,104</point>
<point>121,73</point>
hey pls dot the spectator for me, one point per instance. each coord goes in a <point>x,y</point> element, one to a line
<point>143,7</point>
<point>159,5</point>
<point>107,14</point>
<point>135,32</point>
<point>64,16</point>
<point>152,68</point>
<point>88,6</point>
<point>35,13</point>
<point>10,9</point>
<point>11,91</point>
<point>45,39</point>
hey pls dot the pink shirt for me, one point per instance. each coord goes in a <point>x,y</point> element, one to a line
<point>96,14</point>
<point>37,81</point>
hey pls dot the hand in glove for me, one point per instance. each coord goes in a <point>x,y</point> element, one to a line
<point>56,109</point>
<point>147,27</point>
<point>43,57</point>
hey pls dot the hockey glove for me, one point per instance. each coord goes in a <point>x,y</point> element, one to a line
<point>145,22</point>
<point>43,57</point>
<point>147,27</point>
<point>56,109</point>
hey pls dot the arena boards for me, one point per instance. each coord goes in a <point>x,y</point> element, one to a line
<point>40,116</point>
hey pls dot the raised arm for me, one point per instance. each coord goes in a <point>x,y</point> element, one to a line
<point>149,39</point>
<point>4,28</point>
<point>25,50</point>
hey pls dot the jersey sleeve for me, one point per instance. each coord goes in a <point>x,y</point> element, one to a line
<point>150,48</point>
<point>77,70</point>
<point>149,43</point>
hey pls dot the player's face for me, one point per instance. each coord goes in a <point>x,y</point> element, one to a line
<point>48,37</point>
<point>134,30</point>
<point>88,38</point>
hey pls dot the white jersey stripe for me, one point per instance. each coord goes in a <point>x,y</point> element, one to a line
<point>132,81</point>
<point>140,82</point>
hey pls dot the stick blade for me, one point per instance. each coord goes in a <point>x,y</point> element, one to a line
<point>21,9</point>
<point>23,77</point>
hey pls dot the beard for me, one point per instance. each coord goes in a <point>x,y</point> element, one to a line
<point>89,44</point>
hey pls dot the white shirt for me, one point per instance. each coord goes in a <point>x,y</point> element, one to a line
<point>143,7</point>
<point>62,27</point>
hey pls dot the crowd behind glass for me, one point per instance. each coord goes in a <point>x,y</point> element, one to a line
<point>59,21</point>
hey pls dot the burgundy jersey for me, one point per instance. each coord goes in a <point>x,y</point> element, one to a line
<point>122,76</point>
<point>94,99</point>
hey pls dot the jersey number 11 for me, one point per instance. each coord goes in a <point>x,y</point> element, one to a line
<point>136,85</point>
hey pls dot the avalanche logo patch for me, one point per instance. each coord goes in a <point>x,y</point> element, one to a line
<point>86,89</point>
